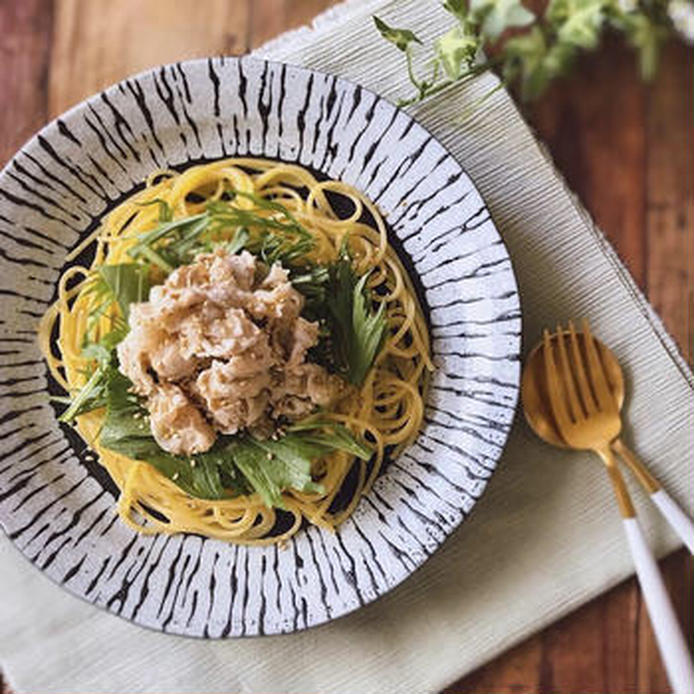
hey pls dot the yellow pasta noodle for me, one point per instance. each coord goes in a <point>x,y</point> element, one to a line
<point>387,410</point>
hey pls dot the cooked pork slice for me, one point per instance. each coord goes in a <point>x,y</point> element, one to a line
<point>234,402</point>
<point>230,278</point>
<point>291,406</point>
<point>322,388</point>
<point>275,299</point>
<point>221,336</point>
<point>136,350</point>
<point>304,336</point>
<point>277,277</point>
<point>134,363</point>
<point>177,425</point>
<point>148,348</point>
<point>187,276</point>
<point>303,388</point>
<point>237,270</point>
<point>170,362</point>
<point>168,307</point>
<point>221,347</point>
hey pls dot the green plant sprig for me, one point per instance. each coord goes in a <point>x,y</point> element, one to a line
<point>540,47</point>
<point>174,242</point>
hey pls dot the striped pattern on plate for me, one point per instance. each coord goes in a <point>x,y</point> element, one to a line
<point>57,505</point>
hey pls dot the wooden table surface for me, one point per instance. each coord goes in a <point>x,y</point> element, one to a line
<point>624,148</point>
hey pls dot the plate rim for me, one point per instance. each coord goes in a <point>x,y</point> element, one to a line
<point>517,339</point>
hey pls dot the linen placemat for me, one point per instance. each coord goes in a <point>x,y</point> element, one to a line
<point>544,538</point>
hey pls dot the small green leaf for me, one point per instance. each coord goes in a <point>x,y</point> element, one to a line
<point>92,396</point>
<point>125,429</point>
<point>495,16</point>
<point>456,50</point>
<point>524,60</point>
<point>357,331</point>
<point>646,37</point>
<point>237,243</point>
<point>369,329</point>
<point>165,211</point>
<point>402,38</point>
<point>251,461</point>
<point>127,283</point>
<point>457,8</point>
<point>583,25</point>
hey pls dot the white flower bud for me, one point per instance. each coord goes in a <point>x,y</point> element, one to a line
<point>682,15</point>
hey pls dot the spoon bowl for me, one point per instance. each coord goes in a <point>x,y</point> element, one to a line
<point>575,402</point>
<point>534,393</point>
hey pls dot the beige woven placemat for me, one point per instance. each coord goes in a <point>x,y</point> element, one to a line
<point>544,538</point>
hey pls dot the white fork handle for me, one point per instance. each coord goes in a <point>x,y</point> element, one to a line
<point>673,647</point>
<point>681,523</point>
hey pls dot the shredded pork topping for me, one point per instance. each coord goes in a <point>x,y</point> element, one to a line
<point>220,347</point>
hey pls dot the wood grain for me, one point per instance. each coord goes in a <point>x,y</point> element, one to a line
<point>25,46</point>
<point>595,128</point>
<point>669,196</point>
<point>98,43</point>
<point>625,148</point>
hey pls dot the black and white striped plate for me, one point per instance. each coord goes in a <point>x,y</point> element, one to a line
<point>58,507</point>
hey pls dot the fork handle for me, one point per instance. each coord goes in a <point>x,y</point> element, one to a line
<point>673,648</point>
<point>679,521</point>
<point>676,517</point>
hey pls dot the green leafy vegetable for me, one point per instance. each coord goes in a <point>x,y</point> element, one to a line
<point>368,331</point>
<point>123,285</point>
<point>272,466</point>
<point>234,465</point>
<point>126,284</point>
<point>278,237</point>
<point>236,244</point>
<point>541,47</point>
<point>356,330</point>
<point>92,396</point>
<point>312,281</point>
<point>126,431</point>
<point>403,39</point>
<point>171,243</point>
<point>165,211</point>
<point>281,239</point>
<point>329,433</point>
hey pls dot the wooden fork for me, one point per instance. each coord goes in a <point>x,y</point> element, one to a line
<point>587,417</point>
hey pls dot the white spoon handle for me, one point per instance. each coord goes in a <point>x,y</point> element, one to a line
<point>680,522</point>
<point>673,647</point>
<point>676,517</point>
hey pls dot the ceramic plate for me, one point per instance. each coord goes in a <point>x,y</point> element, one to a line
<point>57,505</point>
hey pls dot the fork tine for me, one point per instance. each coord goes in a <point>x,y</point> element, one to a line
<point>580,373</point>
<point>568,378</point>
<point>596,373</point>
<point>554,388</point>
